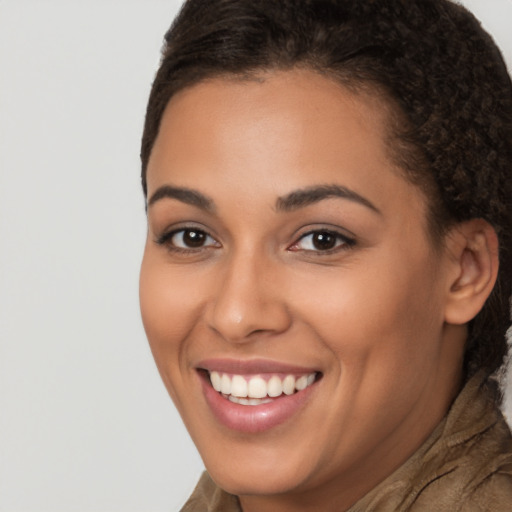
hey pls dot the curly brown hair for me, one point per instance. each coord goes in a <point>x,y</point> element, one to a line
<point>441,73</point>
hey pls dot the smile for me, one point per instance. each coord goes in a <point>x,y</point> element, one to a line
<point>255,396</point>
<point>258,389</point>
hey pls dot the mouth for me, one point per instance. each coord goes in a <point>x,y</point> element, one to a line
<point>259,389</point>
<point>253,397</point>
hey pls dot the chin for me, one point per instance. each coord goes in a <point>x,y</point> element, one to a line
<point>257,481</point>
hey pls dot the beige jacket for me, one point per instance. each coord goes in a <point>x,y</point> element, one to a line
<point>464,466</point>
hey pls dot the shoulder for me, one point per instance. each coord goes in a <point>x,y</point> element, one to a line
<point>470,469</point>
<point>472,482</point>
<point>493,494</point>
<point>464,466</point>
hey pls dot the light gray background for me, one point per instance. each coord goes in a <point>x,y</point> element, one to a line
<point>85,423</point>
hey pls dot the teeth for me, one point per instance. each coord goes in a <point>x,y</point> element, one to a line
<point>257,388</point>
<point>274,386</point>
<point>251,391</point>
<point>301,383</point>
<point>216,381</point>
<point>239,386</point>
<point>289,385</point>
<point>225,385</point>
<point>248,401</point>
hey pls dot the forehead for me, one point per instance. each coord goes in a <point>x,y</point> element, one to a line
<point>285,131</point>
<point>298,112</point>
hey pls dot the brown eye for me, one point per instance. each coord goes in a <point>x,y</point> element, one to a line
<point>189,239</point>
<point>193,238</point>
<point>322,241</point>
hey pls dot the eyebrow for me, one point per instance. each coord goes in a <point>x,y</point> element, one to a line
<point>290,202</point>
<point>185,195</point>
<point>305,197</point>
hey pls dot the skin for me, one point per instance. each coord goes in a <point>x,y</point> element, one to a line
<point>370,316</point>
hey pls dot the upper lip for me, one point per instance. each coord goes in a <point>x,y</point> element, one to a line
<point>252,366</point>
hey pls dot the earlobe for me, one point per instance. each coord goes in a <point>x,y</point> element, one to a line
<point>473,249</point>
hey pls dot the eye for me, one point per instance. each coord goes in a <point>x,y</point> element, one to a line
<point>322,241</point>
<point>187,239</point>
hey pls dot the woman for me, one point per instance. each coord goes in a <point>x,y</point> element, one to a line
<point>327,274</point>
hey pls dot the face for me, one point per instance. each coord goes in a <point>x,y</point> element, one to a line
<point>289,291</point>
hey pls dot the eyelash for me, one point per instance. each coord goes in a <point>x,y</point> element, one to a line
<point>166,239</point>
<point>342,242</point>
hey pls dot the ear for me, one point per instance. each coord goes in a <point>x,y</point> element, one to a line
<point>473,250</point>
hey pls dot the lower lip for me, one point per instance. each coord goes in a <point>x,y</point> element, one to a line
<point>254,418</point>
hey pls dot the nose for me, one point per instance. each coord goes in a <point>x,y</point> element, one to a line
<point>249,300</point>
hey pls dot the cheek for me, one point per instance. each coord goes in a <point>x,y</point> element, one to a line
<point>169,309</point>
<point>382,326</point>
<point>386,310</point>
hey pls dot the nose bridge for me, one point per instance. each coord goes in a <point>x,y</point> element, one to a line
<point>247,298</point>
